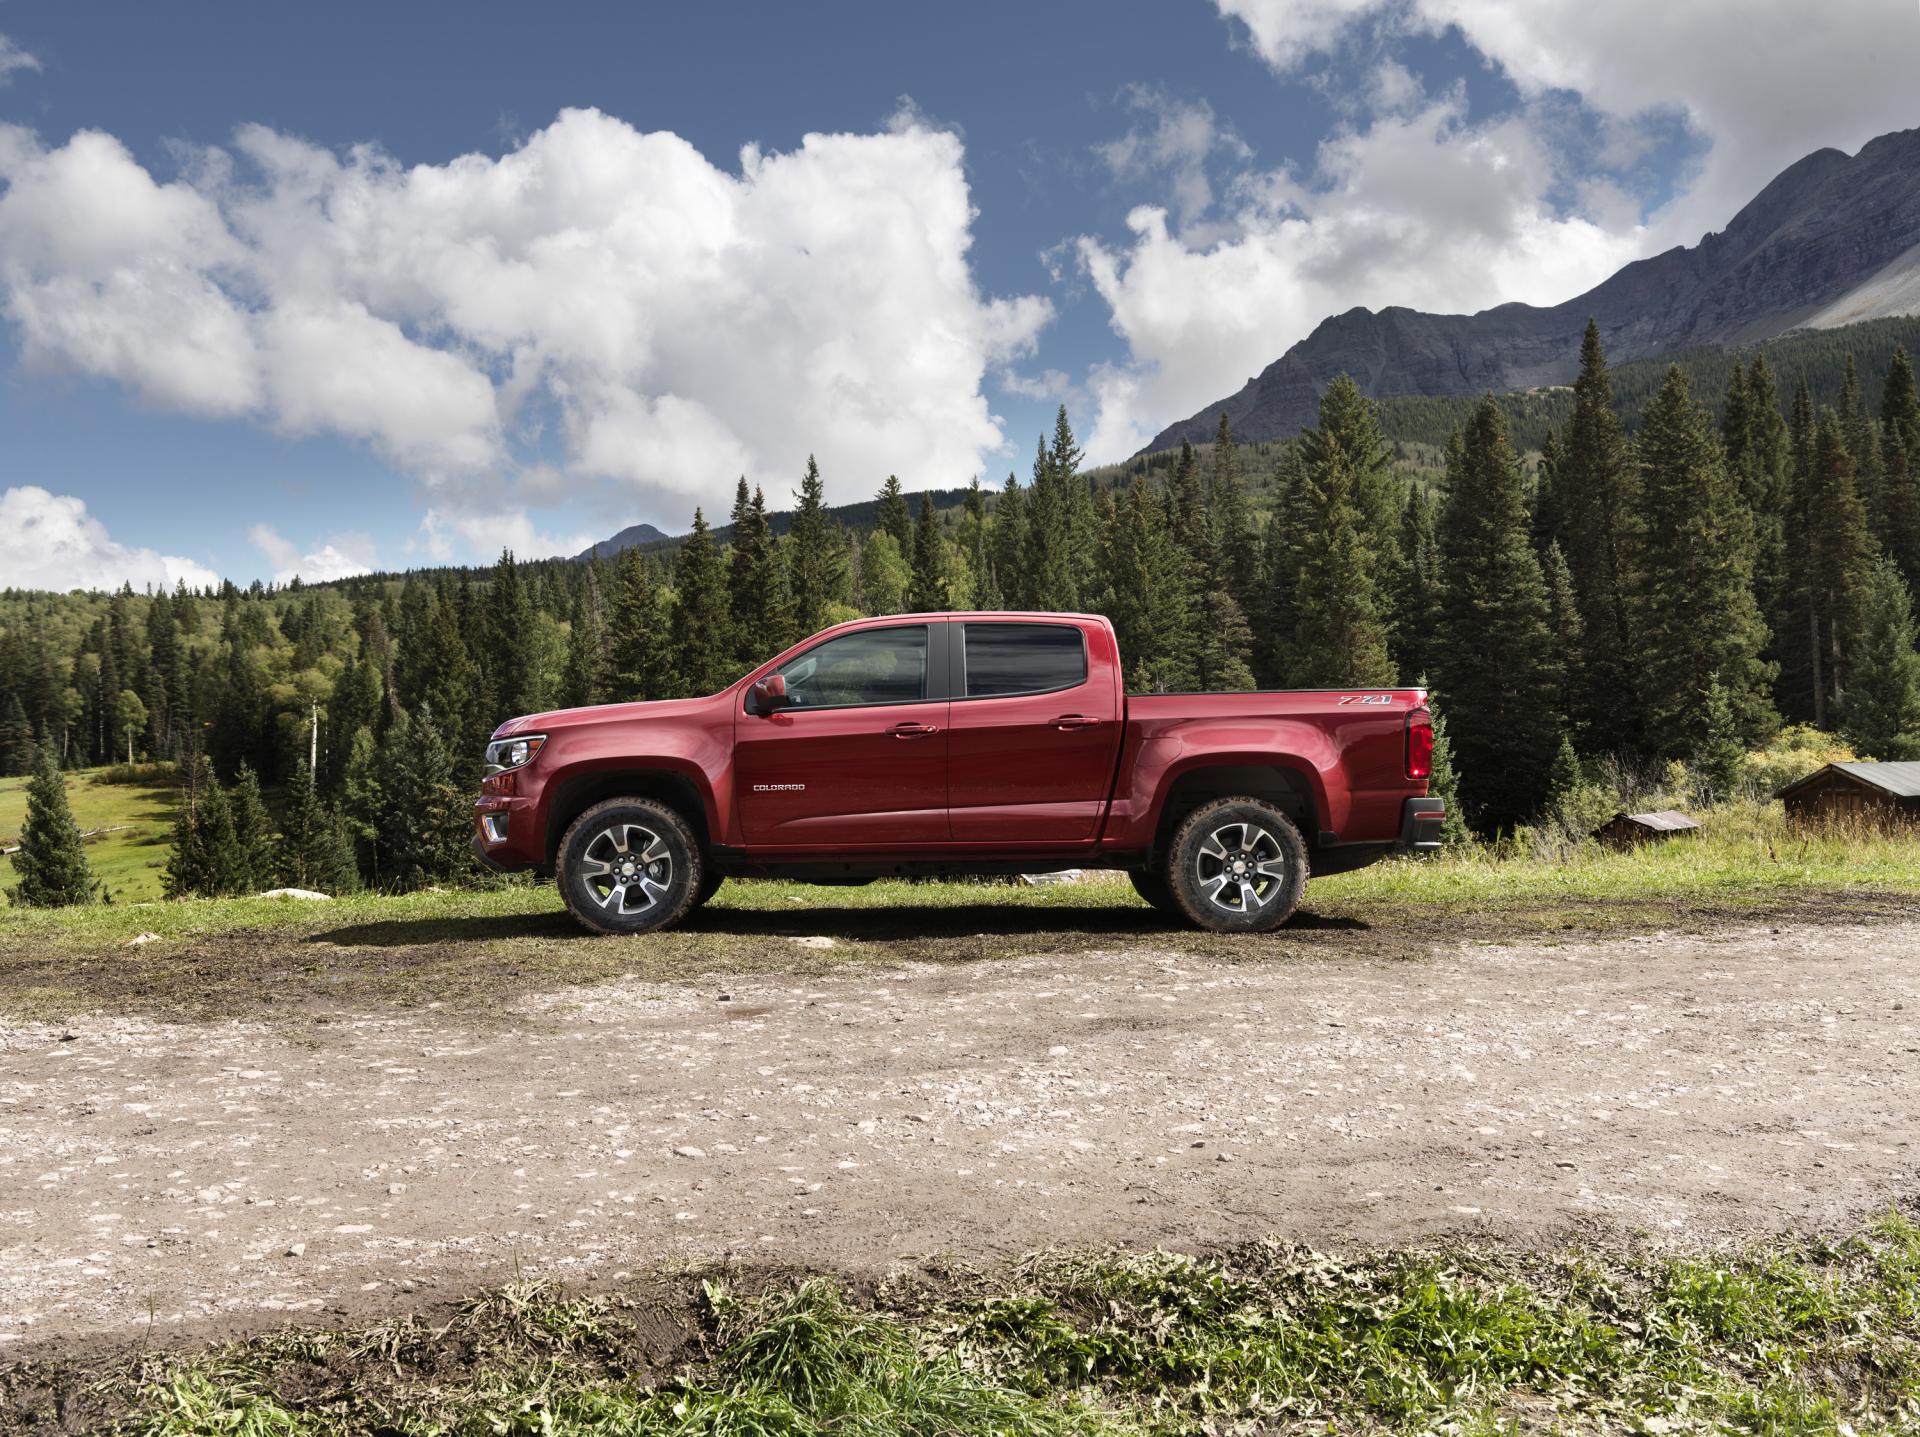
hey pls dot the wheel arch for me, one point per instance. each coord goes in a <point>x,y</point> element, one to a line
<point>575,793</point>
<point>1291,788</point>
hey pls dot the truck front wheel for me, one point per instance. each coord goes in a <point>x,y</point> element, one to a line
<point>1237,865</point>
<point>630,865</point>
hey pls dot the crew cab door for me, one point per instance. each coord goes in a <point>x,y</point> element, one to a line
<point>856,759</point>
<point>1036,732</point>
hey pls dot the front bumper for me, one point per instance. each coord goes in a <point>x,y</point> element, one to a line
<point>1420,824</point>
<point>505,833</point>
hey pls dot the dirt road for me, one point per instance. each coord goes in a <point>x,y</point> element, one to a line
<point>201,1177</point>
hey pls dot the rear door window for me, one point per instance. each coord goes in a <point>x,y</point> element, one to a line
<point>1007,659</point>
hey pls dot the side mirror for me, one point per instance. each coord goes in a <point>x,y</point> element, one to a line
<point>769,693</point>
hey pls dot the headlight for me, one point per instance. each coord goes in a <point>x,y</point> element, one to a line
<point>515,752</point>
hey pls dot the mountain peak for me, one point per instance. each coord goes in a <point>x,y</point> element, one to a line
<point>1831,239</point>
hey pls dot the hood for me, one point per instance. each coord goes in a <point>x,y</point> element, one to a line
<point>555,719</point>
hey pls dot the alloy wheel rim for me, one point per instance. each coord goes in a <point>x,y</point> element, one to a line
<point>1240,868</point>
<point>626,869</point>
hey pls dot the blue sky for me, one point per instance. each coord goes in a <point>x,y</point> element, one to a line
<point>233,344</point>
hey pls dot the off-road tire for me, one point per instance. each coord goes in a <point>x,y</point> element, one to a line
<point>583,847</point>
<point>1153,888</point>
<point>1270,847</point>
<point>709,886</point>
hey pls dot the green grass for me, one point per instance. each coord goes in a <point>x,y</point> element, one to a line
<point>1787,1337</point>
<point>130,859</point>
<point>475,949</point>
<point>1746,853</point>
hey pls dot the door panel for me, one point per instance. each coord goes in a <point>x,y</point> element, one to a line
<point>843,777</point>
<point>1032,769</point>
<point>859,761</point>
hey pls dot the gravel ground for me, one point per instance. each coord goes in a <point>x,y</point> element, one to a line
<point>189,1179</point>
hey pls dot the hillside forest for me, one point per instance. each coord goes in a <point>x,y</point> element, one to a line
<point>1673,583</point>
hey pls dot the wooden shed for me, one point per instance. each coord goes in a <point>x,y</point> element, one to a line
<point>1625,830</point>
<point>1856,792</point>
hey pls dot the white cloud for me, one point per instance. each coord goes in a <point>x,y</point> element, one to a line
<point>1761,83</point>
<point>1174,143</point>
<point>49,541</point>
<point>1422,209</point>
<point>599,314</point>
<point>445,535</point>
<point>339,558</point>
<point>13,58</point>
<point>1286,32</point>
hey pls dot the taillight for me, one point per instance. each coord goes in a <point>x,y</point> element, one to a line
<point>1419,744</point>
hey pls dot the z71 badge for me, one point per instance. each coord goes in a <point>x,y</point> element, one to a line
<point>1365,699</point>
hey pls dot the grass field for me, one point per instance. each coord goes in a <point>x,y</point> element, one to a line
<point>469,948</point>
<point>1791,1337</point>
<point>138,818</point>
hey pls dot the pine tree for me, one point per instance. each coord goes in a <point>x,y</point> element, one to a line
<point>640,649</point>
<point>1694,610</point>
<point>817,567</point>
<point>363,803</point>
<point>1444,782</point>
<point>1565,624</point>
<point>1597,496</point>
<point>223,869</point>
<point>51,862</point>
<point>585,680</point>
<point>1352,421</point>
<point>1339,638</point>
<point>253,834</point>
<point>1881,717</point>
<point>1720,758</point>
<point>425,817</point>
<point>189,862</point>
<point>1008,546</point>
<point>928,591</point>
<point>891,516</point>
<point>1187,518</point>
<point>1863,441</point>
<point>509,647</point>
<point>1829,558</point>
<point>1147,597</point>
<point>1076,501</point>
<point>1222,645</point>
<point>1899,518</point>
<point>16,739</point>
<point>757,583</point>
<point>1049,562</point>
<point>314,850</point>
<point>1236,540</point>
<point>1417,605</point>
<point>1496,668</point>
<point>703,651</point>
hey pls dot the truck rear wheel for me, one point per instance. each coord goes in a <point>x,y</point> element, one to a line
<point>1237,865</point>
<point>630,865</point>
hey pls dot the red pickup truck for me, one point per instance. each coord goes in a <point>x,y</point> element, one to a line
<point>958,743</point>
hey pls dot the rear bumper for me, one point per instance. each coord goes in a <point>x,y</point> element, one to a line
<point>1420,822</point>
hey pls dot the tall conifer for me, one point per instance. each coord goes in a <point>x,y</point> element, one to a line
<point>1695,615</point>
<point>50,865</point>
<point>1496,669</point>
<point>1881,717</point>
<point>1597,497</point>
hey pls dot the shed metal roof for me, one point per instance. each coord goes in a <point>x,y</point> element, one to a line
<point>1665,820</point>
<point>1902,780</point>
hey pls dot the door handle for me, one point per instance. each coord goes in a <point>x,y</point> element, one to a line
<point>1071,721</point>
<point>912,730</point>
